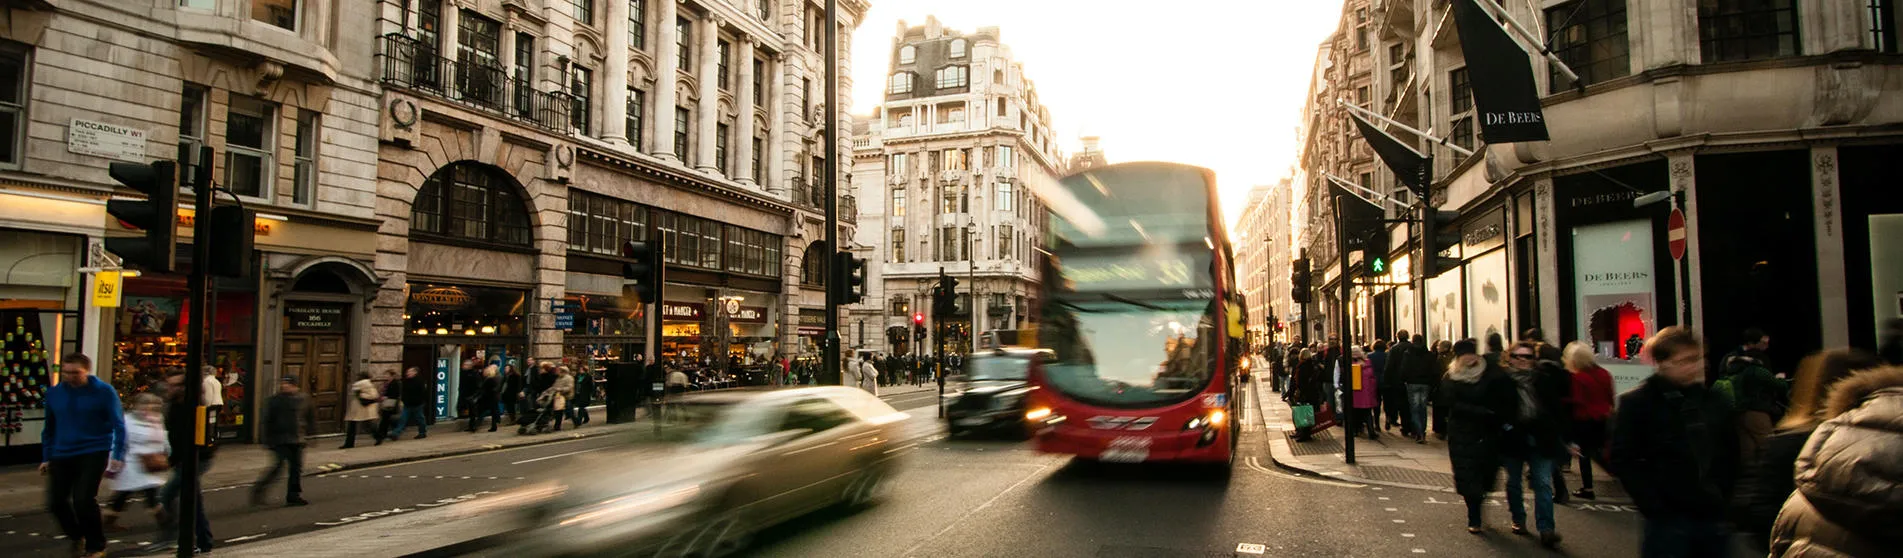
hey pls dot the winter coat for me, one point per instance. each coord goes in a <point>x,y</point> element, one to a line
<point>1847,502</point>
<point>489,392</point>
<point>1545,432</point>
<point>1479,402</point>
<point>287,417</point>
<point>355,409</point>
<point>511,387</point>
<point>1676,450</point>
<point>142,437</point>
<point>1765,485</point>
<point>1591,396</point>
<point>584,389</point>
<point>1365,397</point>
<point>1420,366</point>
<point>416,390</point>
<point>1756,388</point>
<point>868,377</point>
<point>564,385</point>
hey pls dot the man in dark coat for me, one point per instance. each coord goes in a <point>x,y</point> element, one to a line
<point>1674,447</point>
<point>1480,401</point>
<point>415,391</point>
<point>1421,372</point>
<point>287,418</point>
<point>1535,438</point>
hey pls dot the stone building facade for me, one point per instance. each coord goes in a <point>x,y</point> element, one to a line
<point>941,171</point>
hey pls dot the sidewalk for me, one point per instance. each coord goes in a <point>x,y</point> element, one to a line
<point>1391,460</point>
<point>22,487</point>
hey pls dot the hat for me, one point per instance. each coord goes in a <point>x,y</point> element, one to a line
<point>289,379</point>
<point>1465,347</point>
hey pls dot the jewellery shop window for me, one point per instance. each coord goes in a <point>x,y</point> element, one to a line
<point>451,312</point>
<point>150,342</point>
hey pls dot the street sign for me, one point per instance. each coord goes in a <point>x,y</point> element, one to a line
<point>106,289</point>
<point>1675,234</point>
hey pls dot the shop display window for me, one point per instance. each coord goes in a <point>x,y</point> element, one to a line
<point>436,311</point>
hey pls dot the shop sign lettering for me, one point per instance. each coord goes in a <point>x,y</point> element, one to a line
<point>442,387</point>
<point>445,298</point>
<point>315,317</point>
<point>680,310</point>
<point>1485,233</point>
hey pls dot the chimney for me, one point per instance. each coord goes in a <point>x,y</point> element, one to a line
<point>933,29</point>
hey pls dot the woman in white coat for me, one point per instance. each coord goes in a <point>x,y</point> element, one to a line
<point>145,435</point>
<point>360,410</point>
<point>868,376</point>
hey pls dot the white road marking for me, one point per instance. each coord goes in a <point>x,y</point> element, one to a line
<point>246,538</point>
<point>1407,535</point>
<point>555,456</point>
<point>974,511</point>
<point>1381,498</point>
<point>1400,521</point>
<point>1250,548</point>
<point>1420,551</point>
<point>1392,509</point>
<point>113,541</point>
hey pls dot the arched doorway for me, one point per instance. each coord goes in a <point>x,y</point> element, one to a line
<point>320,313</point>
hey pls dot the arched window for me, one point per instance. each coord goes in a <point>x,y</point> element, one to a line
<point>813,265</point>
<point>908,54</point>
<point>958,48</point>
<point>899,83</point>
<point>472,202</point>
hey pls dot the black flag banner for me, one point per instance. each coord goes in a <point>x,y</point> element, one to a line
<point>1504,93</point>
<point>1360,219</point>
<point>1407,164</point>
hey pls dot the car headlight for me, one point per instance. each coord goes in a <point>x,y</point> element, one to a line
<point>634,505</point>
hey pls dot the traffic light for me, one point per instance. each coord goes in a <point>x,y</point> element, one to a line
<point>849,277</point>
<point>1438,233</point>
<point>157,216</point>
<point>1298,278</point>
<point>1374,254</point>
<point>644,273</point>
<point>918,325</point>
<point>231,231</point>
<point>945,297</point>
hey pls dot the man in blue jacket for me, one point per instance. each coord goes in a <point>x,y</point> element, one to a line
<point>84,438</point>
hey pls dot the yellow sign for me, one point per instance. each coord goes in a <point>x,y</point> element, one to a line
<point>106,286</point>
<point>1357,377</point>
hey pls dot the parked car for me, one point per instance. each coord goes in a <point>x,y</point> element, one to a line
<point>989,394</point>
<point>730,463</point>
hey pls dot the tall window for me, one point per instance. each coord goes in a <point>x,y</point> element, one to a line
<point>958,48</point>
<point>957,159</point>
<point>1747,29</point>
<point>898,245</point>
<point>473,202</point>
<point>723,50</point>
<point>1003,106</point>
<point>898,203</point>
<point>1003,196</point>
<point>637,24</point>
<point>908,54</point>
<point>248,134</point>
<point>524,71</point>
<point>583,10</point>
<point>720,147</point>
<point>954,76</point>
<point>280,13</point>
<point>601,224</point>
<point>898,163</point>
<point>680,133</point>
<point>191,112</point>
<point>1883,24</point>
<point>637,101</point>
<point>578,87</point>
<point>806,96</point>
<point>1007,157</point>
<point>948,203</point>
<point>304,155</point>
<point>478,62</point>
<point>759,82</point>
<point>683,42</point>
<point>1589,36</point>
<point>1460,97</point>
<point>429,22</point>
<point>951,115</point>
<point>1005,241</point>
<point>757,171</point>
<point>899,83</point>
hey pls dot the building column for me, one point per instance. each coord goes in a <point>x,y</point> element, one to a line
<point>707,110</point>
<point>743,100</point>
<point>667,55</point>
<point>1834,299</point>
<point>1545,257</point>
<point>776,144</point>
<point>614,79</point>
<point>450,29</point>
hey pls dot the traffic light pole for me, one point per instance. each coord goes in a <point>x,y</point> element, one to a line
<point>1348,375</point>
<point>829,355</point>
<point>197,285</point>
<point>938,346</point>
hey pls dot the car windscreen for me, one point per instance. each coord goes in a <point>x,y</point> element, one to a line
<point>997,367</point>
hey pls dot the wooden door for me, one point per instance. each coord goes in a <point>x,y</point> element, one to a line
<point>318,362</point>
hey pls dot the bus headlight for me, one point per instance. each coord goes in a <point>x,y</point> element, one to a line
<point>1215,418</point>
<point>1039,413</point>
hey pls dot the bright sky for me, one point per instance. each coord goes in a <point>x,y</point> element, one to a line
<point>1214,83</point>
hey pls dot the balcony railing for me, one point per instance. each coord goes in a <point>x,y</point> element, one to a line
<point>420,67</point>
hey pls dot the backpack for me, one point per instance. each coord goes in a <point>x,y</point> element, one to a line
<point>1728,388</point>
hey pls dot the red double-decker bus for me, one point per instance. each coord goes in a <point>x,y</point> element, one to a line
<point>1141,318</point>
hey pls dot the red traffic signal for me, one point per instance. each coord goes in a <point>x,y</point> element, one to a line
<point>918,318</point>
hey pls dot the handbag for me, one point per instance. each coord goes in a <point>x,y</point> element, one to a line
<point>388,405</point>
<point>1304,415</point>
<point>155,462</point>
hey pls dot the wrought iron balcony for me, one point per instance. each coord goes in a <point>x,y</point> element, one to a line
<point>419,67</point>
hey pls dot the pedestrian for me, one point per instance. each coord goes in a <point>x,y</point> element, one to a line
<point>1763,486</point>
<point>390,407</point>
<point>1535,438</point>
<point>1591,403</point>
<point>146,451</point>
<point>181,425</point>
<point>512,392</point>
<point>1758,395</point>
<point>1422,373</point>
<point>1479,400</point>
<point>869,375</point>
<point>1393,383</point>
<point>1847,502</point>
<point>1444,356</point>
<point>1366,409</point>
<point>558,395</point>
<point>360,409</point>
<point>82,440</point>
<point>415,388</point>
<point>584,396</point>
<point>1674,447</point>
<point>1378,355</point>
<point>287,418</point>
<point>488,400</point>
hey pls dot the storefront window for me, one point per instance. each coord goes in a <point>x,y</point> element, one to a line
<point>436,311</point>
<point>150,344</point>
<point>1487,296</point>
<point>1616,306</point>
<point>725,334</point>
<point>1443,308</point>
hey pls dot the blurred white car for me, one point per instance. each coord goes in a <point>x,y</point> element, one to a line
<point>731,463</point>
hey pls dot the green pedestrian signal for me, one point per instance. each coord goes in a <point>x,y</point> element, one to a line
<point>1378,265</point>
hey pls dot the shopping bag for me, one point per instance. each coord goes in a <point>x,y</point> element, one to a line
<point>1325,417</point>
<point>1304,415</point>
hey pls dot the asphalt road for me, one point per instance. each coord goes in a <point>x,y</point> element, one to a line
<point>968,498</point>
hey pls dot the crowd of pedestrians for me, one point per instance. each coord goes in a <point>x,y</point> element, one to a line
<point>1797,464</point>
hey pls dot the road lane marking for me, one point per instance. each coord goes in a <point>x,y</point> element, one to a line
<point>555,456</point>
<point>1250,548</point>
<point>1407,535</point>
<point>1392,509</point>
<point>1420,551</point>
<point>974,511</point>
<point>1400,521</point>
<point>246,538</point>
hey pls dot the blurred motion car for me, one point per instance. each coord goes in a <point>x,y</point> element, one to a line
<point>727,464</point>
<point>988,397</point>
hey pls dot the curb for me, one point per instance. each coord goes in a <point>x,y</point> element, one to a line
<point>329,468</point>
<point>1283,457</point>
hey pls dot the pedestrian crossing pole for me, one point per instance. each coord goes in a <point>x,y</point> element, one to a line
<point>1346,412</point>
<point>197,283</point>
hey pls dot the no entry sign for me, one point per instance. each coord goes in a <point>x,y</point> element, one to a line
<point>1675,234</point>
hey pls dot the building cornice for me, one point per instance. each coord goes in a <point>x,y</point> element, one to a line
<point>678,179</point>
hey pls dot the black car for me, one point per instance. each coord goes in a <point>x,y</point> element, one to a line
<point>989,395</point>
